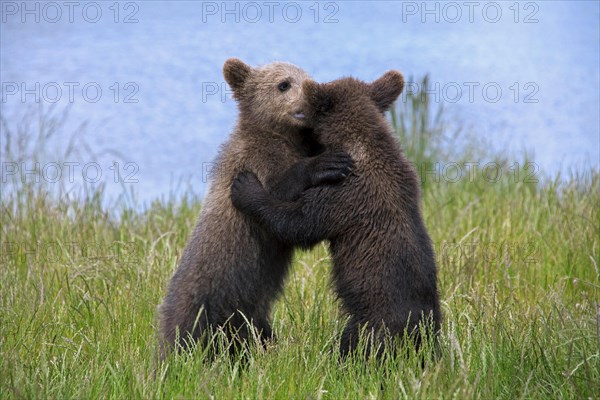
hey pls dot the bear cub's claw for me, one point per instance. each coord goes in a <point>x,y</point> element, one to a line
<point>330,167</point>
<point>245,190</point>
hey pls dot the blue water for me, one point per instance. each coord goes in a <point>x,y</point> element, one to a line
<point>158,70</point>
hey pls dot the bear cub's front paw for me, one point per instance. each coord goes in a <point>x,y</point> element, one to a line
<point>246,189</point>
<point>330,167</point>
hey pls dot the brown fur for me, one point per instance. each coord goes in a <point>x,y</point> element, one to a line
<point>232,270</point>
<point>383,263</point>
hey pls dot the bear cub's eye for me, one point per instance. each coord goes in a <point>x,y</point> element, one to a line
<point>283,86</point>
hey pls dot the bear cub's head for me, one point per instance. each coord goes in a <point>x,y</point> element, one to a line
<point>347,103</point>
<point>270,96</point>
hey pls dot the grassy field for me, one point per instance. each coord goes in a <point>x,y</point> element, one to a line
<point>518,274</point>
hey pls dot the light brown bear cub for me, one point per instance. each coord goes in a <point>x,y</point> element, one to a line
<point>383,262</point>
<point>232,270</point>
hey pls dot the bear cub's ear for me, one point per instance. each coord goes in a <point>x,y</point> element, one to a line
<point>235,72</point>
<point>385,90</point>
<point>316,96</point>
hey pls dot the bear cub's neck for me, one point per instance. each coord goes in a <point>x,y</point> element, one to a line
<point>372,140</point>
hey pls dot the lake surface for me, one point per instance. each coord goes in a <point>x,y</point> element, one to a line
<point>146,76</point>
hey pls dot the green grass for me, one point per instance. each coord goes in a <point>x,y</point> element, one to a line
<point>518,274</point>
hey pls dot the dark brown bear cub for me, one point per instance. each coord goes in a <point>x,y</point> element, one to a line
<point>383,263</point>
<point>232,270</point>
